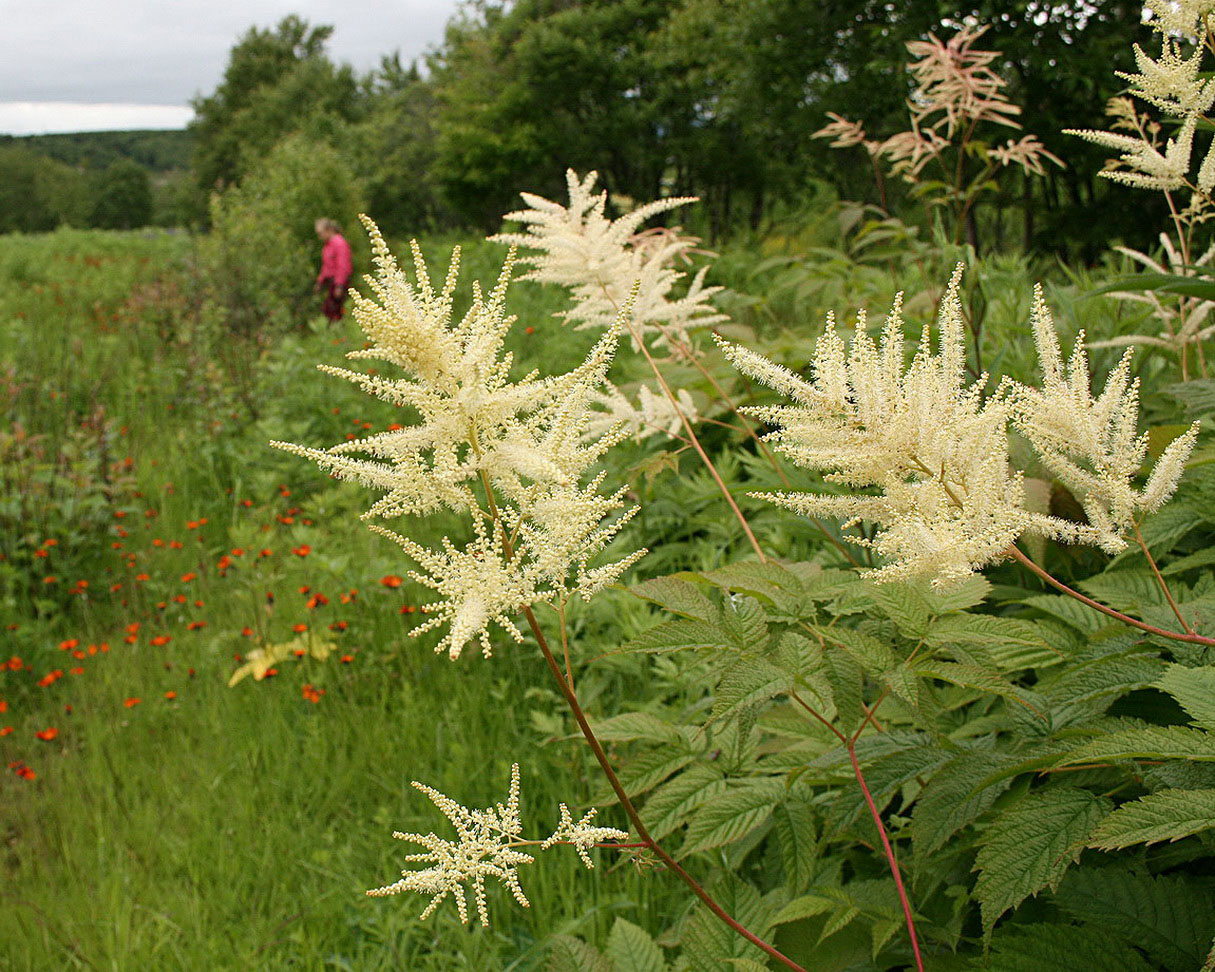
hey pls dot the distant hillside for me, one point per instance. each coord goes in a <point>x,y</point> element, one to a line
<point>157,151</point>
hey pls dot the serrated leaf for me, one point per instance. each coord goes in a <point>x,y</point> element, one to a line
<point>1090,686</point>
<point>748,681</point>
<point>844,675</point>
<point>1171,917</point>
<point>568,954</point>
<point>871,653</point>
<point>1012,643</point>
<point>708,943</point>
<point>1164,815</point>
<point>1151,742</point>
<point>745,624</point>
<point>1194,688</point>
<point>1202,558</point>
<point>972,591</point>
<point>807,906</point>
<point>629,726</point>
<point>643,773</point>
<point>1056,948</point>
<point>797,840</point>
<point>678,596</point>
<point>772,582</point>
<point>1124,590</point>
<point>677,635</point>
<point>972,676</point>
<point>954,798</point>
<point>905,604</point>
<point>885,776</point>
<point>732,815</point>
<point>1030,845</point>
<point>670,806</point>
<point>632,950</point>
<point>1068,610</point>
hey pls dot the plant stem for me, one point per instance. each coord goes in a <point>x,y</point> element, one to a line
<point>618,788</point>
<point>1164,587</point>
<point>889,851</point>
<point>1194,639</point>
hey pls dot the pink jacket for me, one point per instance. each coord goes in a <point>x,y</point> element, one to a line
<point>335,262</point>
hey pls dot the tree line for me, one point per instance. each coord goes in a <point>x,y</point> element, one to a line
<point>713,98</point>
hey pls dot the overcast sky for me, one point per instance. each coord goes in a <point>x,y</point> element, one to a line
<point>74,65</point>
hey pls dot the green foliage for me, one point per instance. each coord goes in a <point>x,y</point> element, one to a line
<point>37,194</point>
<point>122,197</point>
<point>261,254</point>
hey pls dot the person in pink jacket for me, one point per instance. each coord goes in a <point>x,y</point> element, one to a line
<point>336,268</point>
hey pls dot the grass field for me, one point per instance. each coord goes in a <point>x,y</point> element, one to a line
<point>169,821</point>
<point>156,817</point>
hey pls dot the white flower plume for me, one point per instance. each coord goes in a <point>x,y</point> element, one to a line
<point>946,501</point>
<point>483,849</point>
<point>581,834</point>
<point>514,455</point>
<point>1092,444</point>
<point>600,260</point>
<point>651,413</point>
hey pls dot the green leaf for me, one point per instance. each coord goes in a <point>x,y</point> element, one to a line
<point>670,806</point>
<point>568,954</point>
<point>1164,815</point>
<point>642,774</point>
<point>954,798</point>
<point>1089,687</point>
<point>732,815</point>
<point>1151,742</point>
<point>1160,283</point>
<point>638,725</point>
<point>745,624</point>
<point>972,591</point>
<point>973,676</point>
<point>872,654</point>
<point>905,604</point>
<point>1129,591</point>
<point>677,635</point>
<point>678,596</point>
<point>1012,643</point>
<point>1171,917</point>
<point>796,837</point>
<point>1058,948</point>
<point>1202,558</point>
<point>807,906</point>
<point>1031,844</point>
<point>748,681</point>
<point>1068,610</point>
<point>632,950</point>
<point>1194,688</point>
<point>773,583</point>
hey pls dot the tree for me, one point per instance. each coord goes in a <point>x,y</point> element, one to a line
<point>122,197</point>
<point>38,193</point>
<point>277,82</point>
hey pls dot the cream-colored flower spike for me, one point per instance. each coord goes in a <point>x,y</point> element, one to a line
<point>1092,444</point>
<point>526,442</point>
<point>599,260</point>
<point>483,849</point>
<point>947,501</point>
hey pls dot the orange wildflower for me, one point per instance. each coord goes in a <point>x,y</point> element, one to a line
<point>46,735</point>
<point>303,550</point>
<point>160,640</point>
<point>170,695</point>
<point>131,702</point>
<point>392,580</point>
<point>299,628</point>
<point>69,644</point>
<point>195,625</point>
<point>6,731</point>
<point>186,578</point>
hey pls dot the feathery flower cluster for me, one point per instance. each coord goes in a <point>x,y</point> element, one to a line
<point>652,413</point>
<point>601,260</point>
<point>485,848</point>
<point>956,89</point>
<point>1172,83</point>
<point>1185,322</point>
<point>511,454</point>
<point>1091,444</point>
<point>935,451</point>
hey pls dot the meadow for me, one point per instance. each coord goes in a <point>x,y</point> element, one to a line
<point>156,817</point>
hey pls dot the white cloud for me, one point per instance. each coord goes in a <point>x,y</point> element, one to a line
<point>42,117</point>
<point>165,52</point>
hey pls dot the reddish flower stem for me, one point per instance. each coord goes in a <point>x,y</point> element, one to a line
<point>618,788</point>
<point>1194,639</point>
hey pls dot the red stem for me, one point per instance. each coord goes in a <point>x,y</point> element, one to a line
<point>634,817</point>
<point>889,851</point>
<point>1194,639</point>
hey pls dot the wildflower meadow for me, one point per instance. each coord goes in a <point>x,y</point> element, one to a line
<point>613,592</point>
